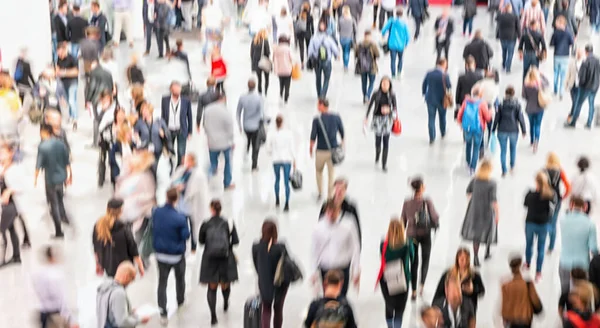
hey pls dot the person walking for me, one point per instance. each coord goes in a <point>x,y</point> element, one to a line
<point>121,149</point>
<point>333,299</point>
<point>266,254</point>
<point>480,50</point>
<point>571,24</point>
<point>534,13</point>
<point>582,297</point>
<point>283,25</point>
<point>152,133</point>
<point>509,119</point>
<point>520,300</point>
<point>418,10</point>
<point>113,241</point>
<point>434,88</point>
<point>218,126</point>
<point>68,71</point>
<point>420,217</point>
<point>304,28</point>
<point>589,81</point>
<point>208,97</point>
<point>176,111</point>
<point>473,117</point>
<point>10,189</point>
<point>162,26</point>
<point>106,110</point>
<point>398,37</point>
<point>594,14</point>
<point>444,27</point>
<point>584,184</point>
<point>149,16</point>
<point>367,53</point>
<point>99,80</point>
<point>76,27</point>
<point>557,177</point>
<point>218,68</point>
<point>186,12</point>
<point>325,129</point>
<point>281,147</point>
<point>347,29</point>
<point>250,116</point>
<point>397,253</point>
<point>483,212</point>
<point>469,12</point>
<point>532,47</point>
<point>282,66</point>
<point>572,79</point>
<point>457,311</point>
<point>465,82</point>
<point>562,41</point>
<point>470,281</point>
<point>260,49</point>
<point>385,109</point>
<point>100,22</point>
<point>321,50</point>
<point>218,267</point>
<point>60,22</point>
<point>540,205</point>
<point>170,232</point>
<point>532,86</point>
<point>386,12</point>
<point>347,206</point>
<point>122,17</point>
<point>508,31</point>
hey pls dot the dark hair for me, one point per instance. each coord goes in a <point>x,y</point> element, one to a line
<point>269,231</point>
<point>416,183</point>
<point>251,84</point>
<point>589,48</point>
<point>515,264</point>
<point>583,164</point>
<point>106,93</point>
<point>578,274</point>
<point>49,253</point>
<point>399,12</point>
<point>45,127</point>
<point>333,277</point>
<point>62,3</point>
<point>279,121</point>
<point>215,205</point>
<point>62,45</point>
<point>442,61</point>
<point>211,81</point>
<point>284,39</point>
<point>324,102</point>
<point>577,201</point>
<point>532,22</point>
<point>172,195</point>
<point>173,83</point>
<point>95,4</point>
<point>510,91</point>
<point>117,110</point>
<point>367,32</point>
<point>76,8</point>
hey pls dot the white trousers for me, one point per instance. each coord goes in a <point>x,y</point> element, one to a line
<point>186,11</point>
<point>122,20</point>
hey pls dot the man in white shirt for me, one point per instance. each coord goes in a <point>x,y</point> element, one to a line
<point>176,111</point>
<point>335,246</point>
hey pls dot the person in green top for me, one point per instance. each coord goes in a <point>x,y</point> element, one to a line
<point>396,256</point>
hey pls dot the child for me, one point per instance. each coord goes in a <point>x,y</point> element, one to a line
<point>218,69</point>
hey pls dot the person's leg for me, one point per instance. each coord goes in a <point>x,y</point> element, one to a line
<point>556,74</point>
<point>529,234</point>
<point>266,310</point>
<point>211,297</point>
<point>399,309</point>
<point>538,126</point>
<point>363,85</point>
<point>127,25</point>
<point>563,73</point>
<point>287,84</point>
<point>381,18</point>
<point>431,112</point>
<point>393,54</point>
<point>279,300</point>
<point>470,147</point>
<point>346,272</point>
<point>180,280</point>
<point>14,240</point>
<point>415,267</point>
<point>503,141</point>
<point>300,40</point>
<point>51,198</point>
<point>552,227</point>
<point>259,80</point>
<point>186,8</point>
<point>371,81</point>
<point>26,240</point>
<point>465,23</point>
<point>327,71</point>
<point>160,42</point>
<point>101,165</point>
<point>378,140</point>
<point>442,121</point>
<point>565,278</point>
<point>579,100</point>
<point>163,276</point>
<point>541,233</point>
<point>199,16</point>
<point>280,87</point>
<point>418,23</point>
<point>346,45</point>
<point>255,149</point>
<point>531,123</point>
<point>286,182</point>
<point>330,175</point>
<point>148,36</point>
<point>72,93</point>
<point>400,61</point>
<point>75,50</point>
<point>447,49</point>
<point>181,147</point>
<point>226,292</point>
<point>318,77</point>
<point>591,99</point>
<point>214,161</point>
<point>384,155</point>
<point>227,173</point>
<point>277,170</point>
<point>470,26</point>
<point>513,138</point>
<point>117,27</point>
<point>503,46</point>
<point>477,140</point>
<point>438,50</point>
<point>375,7</point>
<point>320,159</point>
<point>266,83</point>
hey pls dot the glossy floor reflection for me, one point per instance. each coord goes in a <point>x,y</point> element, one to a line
<point>378,195</point>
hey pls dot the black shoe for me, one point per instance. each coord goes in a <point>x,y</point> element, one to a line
<point>384,169</point>
<point>58,236</point>
<point>277,203</point>
<point>26,245</point>
<point>487,256</point>
<point>226,306</point>
<point>476,262</point>
<point>213,321</point>
<point>11,261</point>
<point>286,208</point>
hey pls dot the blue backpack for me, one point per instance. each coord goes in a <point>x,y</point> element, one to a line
<point>18,71</point>
<point>470,118</point>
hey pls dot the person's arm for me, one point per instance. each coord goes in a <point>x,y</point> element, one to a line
<point>310,315</point>
<point>470,188</point>
<point>485,112</point>
<point>185,230</point>
<point>235,240</point>
<point>458,93</point>
<point>566,183</point>
<point>478,288</point>
<point>355,245</point>
<point>435,217</point>
<point>386,27</point>
<point>403,215</point>
<point>132,251</point>
<point>202,234</point>
<point>313,135</point>
<point>521,121</point>
<point>542,43</point>
<point>553,40</point>
<point>424,85</point>
<point>521,45</point>
<point>254,257</point>
<point>120,310</point>
<point>340,128</point>
<point>448,82</point>
<point>440,291</point>
<point>371,104</point>
<point>238,114</point>
<point>200,112</point>
<point>496,119</point>
<point>593,241</point>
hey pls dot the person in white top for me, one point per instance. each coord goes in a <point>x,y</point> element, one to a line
<point>335,246</point>
<point>108,62</point>
<point>212,23</point>
<point>584,184</point>
<point>284,26</point>
<point>260,19</point>
<point>280,145</point>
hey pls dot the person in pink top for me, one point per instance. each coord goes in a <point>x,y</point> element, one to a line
<point>473,116</point>
<point>282,65</point>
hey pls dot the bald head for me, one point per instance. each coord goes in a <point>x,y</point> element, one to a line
<point>125,273</point>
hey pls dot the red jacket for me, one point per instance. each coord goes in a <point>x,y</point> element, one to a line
<point>484,114</point>
<point>218,69</point>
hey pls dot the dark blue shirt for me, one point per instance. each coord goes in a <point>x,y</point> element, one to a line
<point>333,125</point>
<point>562,41</point>
<point>170,231</point>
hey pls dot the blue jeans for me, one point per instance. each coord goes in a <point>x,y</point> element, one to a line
<point>286,167</point>
<point>346,47</point>
<point>367,80</point>
<point>535,126</point>
<point>323,69</point>
<point>503,139</point>
<point>393,54</point>
<point>54,46</point>
<point>201,4</point>
<point>529,59</point>
<point>582,96</point>
<point>432,111</point>
<point>541,231</point>
<point>148,32</point>
<point>546,10</point>
<point>75,50</point>
<point>473,140</point>
<point>561,63</point>
<point>508,50</point>
<point>468,22</point>
<point>214,164</point>
<point>212,36</point>
<point>72,94</point>
<point>552,225</point>
<point>181,139</point>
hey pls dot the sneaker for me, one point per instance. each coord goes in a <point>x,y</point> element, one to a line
<point>538,277</point>
<point>277,203</point>
<point>58,236</point>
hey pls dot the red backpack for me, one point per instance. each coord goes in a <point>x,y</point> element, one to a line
<point>578,322</point>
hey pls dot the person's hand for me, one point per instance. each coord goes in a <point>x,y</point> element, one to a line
<point>497,219</point>
<point>69,181</point>
<point>366,121</point>
<point>99,270</point>
<point>311,153</point>
<point>189,137</point>
<point>75,325</point>
<point>161,133</point>
<point>294,165</point>
<point>145,320</point>
<point>142,272</point>
<point>198,129</point>
<point>233,147</point>
<point>35,182</point>
<point>468,288</point>
<point>520,55</point>
<point>180,187</point>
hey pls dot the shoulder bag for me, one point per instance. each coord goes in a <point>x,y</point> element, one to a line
<point>287,270</point>
<point>337,154</point>
<point>537,308</point>
<point>393,273</point>
<point>448,99</point>
<point>264,63</point>
<point>541,55</point>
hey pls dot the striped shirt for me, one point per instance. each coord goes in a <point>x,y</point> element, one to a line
<point>533,13</point>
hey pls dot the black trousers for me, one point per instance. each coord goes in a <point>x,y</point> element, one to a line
<point>259,77</point>
<point>425,243</point>
<point>379,141</point>
<point>164,269</point>
<point>284,87</point>
<point>418,23</point>
<point>103,152</point>
<point>275,308</point>
<point>55,194</point>
<point>439,46</point>
<point>394,304</point>
<point>346,272</point>
<point>44,317</point>
<point>14,240</point>
<point>302,41</point>
<point>162,38</point>
<point>382,17</point>
<point>252,137</point>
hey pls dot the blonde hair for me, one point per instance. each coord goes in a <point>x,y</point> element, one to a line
<point>105,224</point>
<point>532,78</point>
<point>543,184</point>
<point>141,161</point>
<point>123,132</point>
<point>346,11</point>
<point>6,82</point>
<point>484,172</point>
<point>260,36</point>
<point>137,93</point>
<point>107,54</point>
<point>148,106</point>
<point>553,162</point>
<point>455,270</point>
<point>396,235</point>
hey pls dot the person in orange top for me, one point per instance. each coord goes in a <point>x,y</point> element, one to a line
<point>218,68</point>
<point>556,175</point>
<point>473,116</point>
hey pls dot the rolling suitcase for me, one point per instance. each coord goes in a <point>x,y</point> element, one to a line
<point>252,310</point>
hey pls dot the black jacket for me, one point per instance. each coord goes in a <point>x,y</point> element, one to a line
<point>61,29</point>
<point>26,75</point>
<point>594,271</point>
<point>265,262</point>
<point>508,27</point>
<point>207,98</point>
<point>101,22</point>
<point>509,117</point>
<point>216,270</point>
<point>256,50</point>
<point>100,80</point>
<point>478,288</point>
<point>348,208</point>
<point>589,73</point>
<point>122,248</point>
<point>449,29</point>
<point>466,312</point>
<point>464,85</point>
<point>481,51</point>
<point>76,29</point>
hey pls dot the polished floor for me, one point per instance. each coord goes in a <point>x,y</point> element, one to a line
<point>379,195</point>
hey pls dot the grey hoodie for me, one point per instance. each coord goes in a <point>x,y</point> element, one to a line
<point>112,294</point>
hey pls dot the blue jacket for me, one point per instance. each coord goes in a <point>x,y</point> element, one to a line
<point>417,7</point>
<point>433,87</point>
<point>578,235</point>
<point>324,39</point>
<point>399,35</point>
<point>170,230</point>
<point>185,114</point>
<point>150,134</point>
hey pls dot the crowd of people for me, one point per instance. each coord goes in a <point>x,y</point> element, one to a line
<point>151,218</point>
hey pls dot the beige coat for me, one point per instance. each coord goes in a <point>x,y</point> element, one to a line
<point>196,197</point>
<point>571,74</point>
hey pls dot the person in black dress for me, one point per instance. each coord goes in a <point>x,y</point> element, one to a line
<point>470,281</point>
<point>218,269</point>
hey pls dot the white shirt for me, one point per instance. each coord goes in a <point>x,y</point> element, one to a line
<point>388,5</point>
<point>336,245</point>
<point>276,5</point>
<point>151,12</point>
<point>284,26</point>
<point>280,144</point>
<point>49,285</point>
<point>213,16</point>
<point>578,65</point>
<point>174,114</point>
<point>112,67</point>
<point>584,186</point>
<point>261,19</point>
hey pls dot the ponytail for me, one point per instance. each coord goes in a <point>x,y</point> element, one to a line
<point>105,225</point>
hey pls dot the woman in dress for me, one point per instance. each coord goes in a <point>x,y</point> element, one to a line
<point>219,265</point>
<point>383,104</point>
<point>258,49</point>
<point>481,219</point>
<point>533,85</point>
<point>470,280</point>
<point>282,66</point>
<point>557,177</point>
<point>265,255</point>
<point>395,248</point>
<point>280,144</point>
<point>414,209</point>
<point>218,69</point>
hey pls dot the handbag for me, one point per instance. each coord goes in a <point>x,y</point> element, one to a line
<point>262,132</point>
<point>287,271</point>
<point>147,241</point>
<point>296,180</point>
<point>537,308</point>
<point>393,273</point>
<point>543,98</point>
<point>397,127</point>
<point>264,63</point>
<point>448,99</point>
<point>296,72</point>
<point>337,154</point>
<point>386,44</point>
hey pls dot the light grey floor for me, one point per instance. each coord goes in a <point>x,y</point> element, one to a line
<point>377,194</point>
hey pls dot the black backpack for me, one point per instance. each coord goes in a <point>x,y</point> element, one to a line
<point>364,63</point>
<point>423,220</point>
<point>218,241</point>
<point>554,180</point>
<point>331,314</point>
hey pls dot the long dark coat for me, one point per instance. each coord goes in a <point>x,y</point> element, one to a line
<point>265,263</point>
<point>218,270</point>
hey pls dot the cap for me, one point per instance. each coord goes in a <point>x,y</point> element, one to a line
<point>114,203</point>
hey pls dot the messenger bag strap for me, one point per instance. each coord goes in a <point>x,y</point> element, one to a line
<point>324,132</point>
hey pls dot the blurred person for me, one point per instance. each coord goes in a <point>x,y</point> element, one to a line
<point>23,76</point>
<point>469,12</point>
<point>106,111</point>
<point>60,21</point>
<point>68,71</point>
<point>186,11</point>
<point>284,25</point>
<point>219,265</point>
<point>112,304</point>
<point>50,91</point>
<point>465,82</point>
<point>89,48</point>
<point>508,31</point>
<point>218,69</point>
<point>208,97</point>
<point>394,249</point>
<point>218,126</point>
<point>333,299</point>
<point>348,207</point>
<point>122,19</point>
<point>121,150</point>
<point>420,217</point>
<point>583,314</point>
<point>471,284</point>
<point>509,119</point>
<point>572,79</point>
<point>99,80</point>
<point>520,300</point>
<point>149,18</point>
<point>321,50</point>
<point>444,27</point>
<point>474,116</point>
<point>281,146</point>
<point>100,22</point>
<point>53,159</point>
<point>162,26</point>
<point>557,177</point>
<point>258,49</point>
<point>153,133</point>
<point>480,50</point>
<point>137,99</point>
<point>458,312</point>
<point>76,27</point>
<point>213,21</point>
<point>10,189</point>
<point>386,12</point>
<point>532,47</point>
<point>583,185</point>
<point>304,28</point>
<point>260,19</point>
<point>534,13</point>
<point>11,110</point>
<point>432,317</point>
<point>134,72</point>
<point>398,37</point>
<point>113,241</point>
<point>419,11</point>
<point>534,84</point>
<point>483,212</point>
<point>562,41</point>
<point>589,81</point>
<point>180,54</point>
<point>347,29</point>
<point>282,66</point>
<point>567,15</point>
<point>385,110</point>
<point>435,85</point>
<point>578,277</point>
<point>53,118</point>
<point>250,116</point>
<point>366,55</point>
<point>176,111</point>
